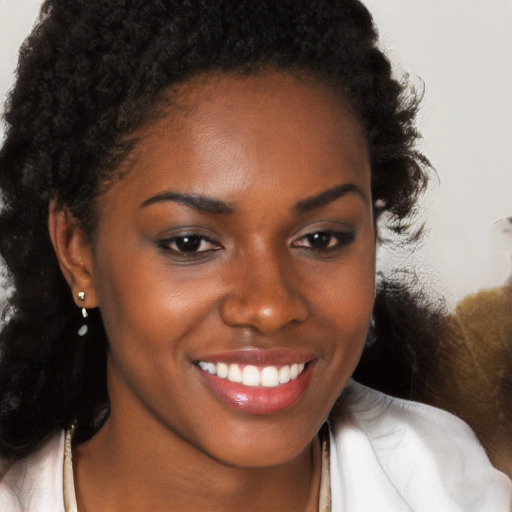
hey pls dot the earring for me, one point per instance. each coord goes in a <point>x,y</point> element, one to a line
<point>83,329</point>
<point>81,298</point>
<point>380,204</point>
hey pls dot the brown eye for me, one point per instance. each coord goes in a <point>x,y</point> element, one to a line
<point>325,240</point>
<point>321,240</point>
<point>189,244</point>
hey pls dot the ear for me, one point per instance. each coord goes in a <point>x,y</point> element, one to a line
<point>74,252</point>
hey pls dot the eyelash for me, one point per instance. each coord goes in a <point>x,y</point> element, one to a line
<point>193,239</point>
<point>342,239</point>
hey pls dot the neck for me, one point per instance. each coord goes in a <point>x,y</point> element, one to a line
<point>118,470</point>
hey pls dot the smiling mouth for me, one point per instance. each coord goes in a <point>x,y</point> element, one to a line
<point>257,381</point>
<point>254,376</point>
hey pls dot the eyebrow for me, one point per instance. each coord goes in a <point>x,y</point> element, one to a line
<point>201,203</point>
<point>328,196</point>
<point>210,205</point>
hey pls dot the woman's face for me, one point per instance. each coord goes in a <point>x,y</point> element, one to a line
<point>234,267</point>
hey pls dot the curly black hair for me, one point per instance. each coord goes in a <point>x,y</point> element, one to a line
<point>89,74</point>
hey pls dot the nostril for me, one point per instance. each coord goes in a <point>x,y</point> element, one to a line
<point>265,312</point>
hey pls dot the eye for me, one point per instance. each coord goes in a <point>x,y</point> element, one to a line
<point>325,240</point>
<point>189,244</point>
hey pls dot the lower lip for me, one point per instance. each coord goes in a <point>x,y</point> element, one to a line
<point>257,399</point>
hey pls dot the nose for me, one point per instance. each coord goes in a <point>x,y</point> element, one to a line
<point>263,296</point>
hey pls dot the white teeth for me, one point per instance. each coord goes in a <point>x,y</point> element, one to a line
<point>208,367</point>
<point>284,375</point>
<point>222,370</point>
<point>270,377</point>
<point>249,375</point>
<point>234,374</point>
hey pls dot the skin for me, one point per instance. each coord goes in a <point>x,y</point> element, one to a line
<point>260,144</point>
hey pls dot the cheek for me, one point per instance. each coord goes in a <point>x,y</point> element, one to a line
<point>344,294</point>
<point>141,303</point>
<point>154,319</point>
<point>343,303</point>
<point>142,297</point>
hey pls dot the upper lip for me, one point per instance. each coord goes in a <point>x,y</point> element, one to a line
<point>259,357</point>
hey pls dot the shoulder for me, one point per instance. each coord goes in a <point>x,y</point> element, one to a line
<point>419,457</point>
<point>34,483</point>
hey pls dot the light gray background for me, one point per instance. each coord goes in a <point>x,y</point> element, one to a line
<point>462,51</point>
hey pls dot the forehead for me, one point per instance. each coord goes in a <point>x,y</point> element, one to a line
<point>224,131</point>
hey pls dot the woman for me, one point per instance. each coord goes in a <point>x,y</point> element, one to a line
<point>191,195</point>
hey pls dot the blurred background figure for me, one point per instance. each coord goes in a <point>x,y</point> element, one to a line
<point>472,376</point>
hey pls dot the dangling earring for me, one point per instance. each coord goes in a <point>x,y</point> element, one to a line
<point>83,329</point>
<point>81,298</point>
